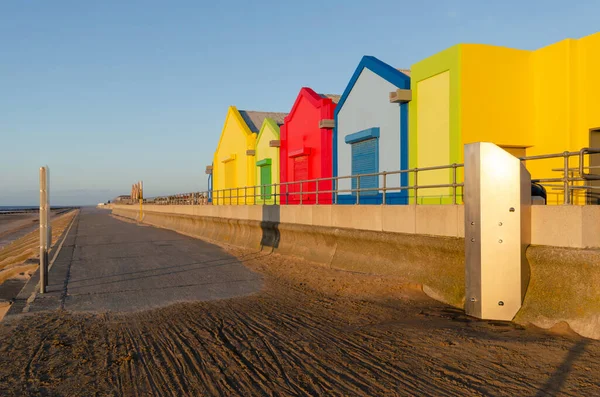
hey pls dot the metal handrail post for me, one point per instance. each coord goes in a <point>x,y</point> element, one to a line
<point>416,186</point>
<point>567,199</point>
<point>245,195</point>
<point>357,189</point>
<point>335,190</point>
<point>454,183</point>
<point>384,187</point>
<point>317,192</point>
<point>300,192</point>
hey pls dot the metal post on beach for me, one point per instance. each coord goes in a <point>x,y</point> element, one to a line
<point>44,233</point>
<point>48,217</point>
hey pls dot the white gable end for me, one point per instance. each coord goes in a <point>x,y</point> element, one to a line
<point>368,106</point>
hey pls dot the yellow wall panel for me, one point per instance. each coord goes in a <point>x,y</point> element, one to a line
<point>433,138</point>
<point>496,97</point>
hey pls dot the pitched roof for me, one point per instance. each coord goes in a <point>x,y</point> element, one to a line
<point>398,77</point>
<point>335,98</point>
<point>255,119</point>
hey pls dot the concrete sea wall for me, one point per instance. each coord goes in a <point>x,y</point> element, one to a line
<point>424,244</point>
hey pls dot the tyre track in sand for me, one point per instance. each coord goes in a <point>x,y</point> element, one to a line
<point>312,331</point>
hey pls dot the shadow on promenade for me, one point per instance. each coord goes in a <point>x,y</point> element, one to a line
<point>271,217</point>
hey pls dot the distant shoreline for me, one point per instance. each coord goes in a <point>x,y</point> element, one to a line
<point>15,209</point>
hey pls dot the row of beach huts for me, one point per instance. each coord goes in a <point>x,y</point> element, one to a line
<point>389,119</point>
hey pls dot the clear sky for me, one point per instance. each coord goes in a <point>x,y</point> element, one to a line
<point>110,92</point>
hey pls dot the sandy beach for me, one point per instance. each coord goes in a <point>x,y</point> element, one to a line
<point>10,224</point>
<point>19,250</point>
<point>311,331</point>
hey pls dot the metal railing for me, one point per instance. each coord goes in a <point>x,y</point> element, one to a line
<point>326,190</point>
<point>573,178</point>
<point>362,190</point>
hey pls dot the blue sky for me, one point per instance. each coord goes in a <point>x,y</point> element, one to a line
<point>110,92</point>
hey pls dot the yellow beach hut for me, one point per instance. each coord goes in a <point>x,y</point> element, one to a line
<point>528,102</point>
<point>234,163</point>
<point>267,158</point>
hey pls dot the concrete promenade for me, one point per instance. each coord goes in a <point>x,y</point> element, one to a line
<point>311,330</point>
<point>106,264</point>
<point>563,259</point>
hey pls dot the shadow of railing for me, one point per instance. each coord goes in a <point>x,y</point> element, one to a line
<point>556,382</point>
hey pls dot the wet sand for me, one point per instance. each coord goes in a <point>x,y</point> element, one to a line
<point>11,224</point>
<point>310,331</point>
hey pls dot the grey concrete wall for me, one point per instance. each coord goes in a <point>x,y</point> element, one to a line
<point>421,243</point>
<point>556,226</point>
<point>435,220</point>
<point>368,106</point>
<point>572,226</point>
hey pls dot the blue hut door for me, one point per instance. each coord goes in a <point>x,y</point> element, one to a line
<point>365,160</point>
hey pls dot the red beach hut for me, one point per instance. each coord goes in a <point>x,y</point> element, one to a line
<point>306,149</point>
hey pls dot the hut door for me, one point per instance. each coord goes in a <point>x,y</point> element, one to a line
<point>365,160</point>
<point>230,179</point>
<point>301,174</point>
<point>265,181</point>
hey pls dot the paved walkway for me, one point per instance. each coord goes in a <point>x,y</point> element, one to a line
<point>111,265</point>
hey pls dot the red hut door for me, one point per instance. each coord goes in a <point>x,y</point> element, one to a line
<point>300,174</point>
